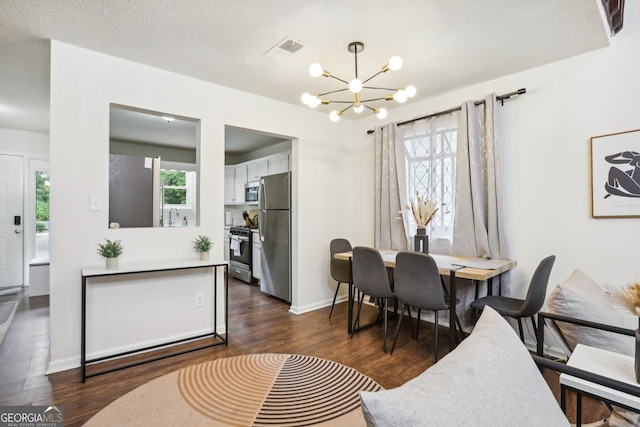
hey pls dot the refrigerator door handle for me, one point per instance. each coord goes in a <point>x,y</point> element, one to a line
<point>261,218</point>
<point>261,194</point>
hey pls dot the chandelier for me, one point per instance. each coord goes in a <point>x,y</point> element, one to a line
<point>356,86</point>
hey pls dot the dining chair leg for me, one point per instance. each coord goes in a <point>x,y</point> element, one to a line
<point>357,321</point>
<point>535,328</point>
<point>334,299</point>
<point>457,320</point>
<point>460,328</point>
<point>379,304</point>
<point>435,353</point>
<point>410,320</point>
<point>386,317</point>
<point>395,337</point>
<point>418,323</point>
<point>520,328</point>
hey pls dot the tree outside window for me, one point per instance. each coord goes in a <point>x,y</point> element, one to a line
<point>42,201</point>
<point>175,187</point>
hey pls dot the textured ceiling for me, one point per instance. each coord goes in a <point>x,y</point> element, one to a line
<point>445,44</point>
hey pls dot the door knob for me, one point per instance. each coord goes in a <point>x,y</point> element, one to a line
<point>18,231</point>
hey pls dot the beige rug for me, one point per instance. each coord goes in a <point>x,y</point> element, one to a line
<point>252,390</point>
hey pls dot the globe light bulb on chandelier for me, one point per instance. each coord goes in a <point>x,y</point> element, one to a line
<point>357,86</point>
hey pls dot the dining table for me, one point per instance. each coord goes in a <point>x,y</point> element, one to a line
<point>476,269</point>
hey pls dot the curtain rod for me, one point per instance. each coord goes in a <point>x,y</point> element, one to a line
<point>500,98</point>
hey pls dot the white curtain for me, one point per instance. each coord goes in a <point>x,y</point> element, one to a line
<point>478,222</point>
<point>478,226</point>
<point>389,228</point>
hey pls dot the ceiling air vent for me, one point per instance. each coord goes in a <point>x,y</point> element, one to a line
<point>284,49</point>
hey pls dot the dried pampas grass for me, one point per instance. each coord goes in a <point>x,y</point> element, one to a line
<point>627,297</point>
<point>423,210</point>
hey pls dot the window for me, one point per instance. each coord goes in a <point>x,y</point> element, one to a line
<point>177,188</point>
<point>42,215</point>
<point>430,154</point>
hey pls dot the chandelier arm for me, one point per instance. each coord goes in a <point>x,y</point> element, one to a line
<point>333,91</point>
<point>373,99</point>
<point>376,74</point>
<point>338,78</point>
<point>380,88</point>
<point>340,102</point>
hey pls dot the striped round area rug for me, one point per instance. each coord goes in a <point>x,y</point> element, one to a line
<point>251,390</point>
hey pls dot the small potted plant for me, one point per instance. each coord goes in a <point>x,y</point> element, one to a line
<point>111,250</point>
<point>202,244</point>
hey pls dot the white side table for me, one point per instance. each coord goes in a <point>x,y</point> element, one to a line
<point>611,365</point>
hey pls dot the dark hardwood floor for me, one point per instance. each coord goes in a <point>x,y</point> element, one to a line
<point>258,324</point>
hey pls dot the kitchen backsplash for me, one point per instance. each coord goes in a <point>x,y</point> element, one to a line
<point>233,214</point>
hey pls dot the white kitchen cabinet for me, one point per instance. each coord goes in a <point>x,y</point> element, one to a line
<point>229,184</point>
<point>235,179</point>
<point>279,164</point>
<point>255,254</point>
<point>257,169</point>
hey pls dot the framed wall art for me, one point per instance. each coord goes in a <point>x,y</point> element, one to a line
<point>615,175</point>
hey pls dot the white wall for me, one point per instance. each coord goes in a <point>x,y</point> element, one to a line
<point>13,141</point>
<point>83,84</point>
<point>546,143</point>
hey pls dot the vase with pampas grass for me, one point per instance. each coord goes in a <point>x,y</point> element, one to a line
<point>423,211</point>
<point>629,298</point>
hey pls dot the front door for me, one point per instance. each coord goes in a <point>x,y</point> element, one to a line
<point>11,221</point>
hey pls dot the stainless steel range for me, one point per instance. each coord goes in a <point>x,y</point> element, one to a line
<point>240,254</point>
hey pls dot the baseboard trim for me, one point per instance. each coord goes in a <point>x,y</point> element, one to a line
<point>68,363</point>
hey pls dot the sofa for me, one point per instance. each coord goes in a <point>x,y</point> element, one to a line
<point>490,379</point>
<point>581,311</point>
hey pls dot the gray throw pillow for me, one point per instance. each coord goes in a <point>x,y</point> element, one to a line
<point>490,379</point>
<point>580,297</point>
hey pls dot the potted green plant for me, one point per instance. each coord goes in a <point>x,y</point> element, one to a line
<point>111,250</point>
<point>202,244</point>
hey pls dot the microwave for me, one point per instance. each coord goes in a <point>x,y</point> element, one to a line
<point>251,191</point>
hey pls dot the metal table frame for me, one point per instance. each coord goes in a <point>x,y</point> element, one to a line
<point>604,381</point>
<point>148,268</point>
<point>453,270</point>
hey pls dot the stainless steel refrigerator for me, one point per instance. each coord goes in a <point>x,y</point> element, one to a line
<point>274,222</point>
<point>134,195</point>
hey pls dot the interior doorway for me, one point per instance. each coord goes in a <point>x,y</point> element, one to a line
<point>260,161</point>
<point>11,221</point>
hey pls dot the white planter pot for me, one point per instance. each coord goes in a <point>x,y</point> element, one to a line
<point>112,263</point>
<point>204,256</point>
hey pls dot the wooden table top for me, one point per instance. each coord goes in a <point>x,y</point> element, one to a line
<point>464,267</point>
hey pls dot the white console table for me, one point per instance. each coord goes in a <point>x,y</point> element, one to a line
<point>614,366</point>
<point>148,268</point>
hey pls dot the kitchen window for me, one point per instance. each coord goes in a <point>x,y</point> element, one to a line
<point>178,188</point>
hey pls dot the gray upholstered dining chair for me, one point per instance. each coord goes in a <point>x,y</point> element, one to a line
<point>518,308</point>
<point>418,284</point>
<point>370,278</point>
<point>339,268</point>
